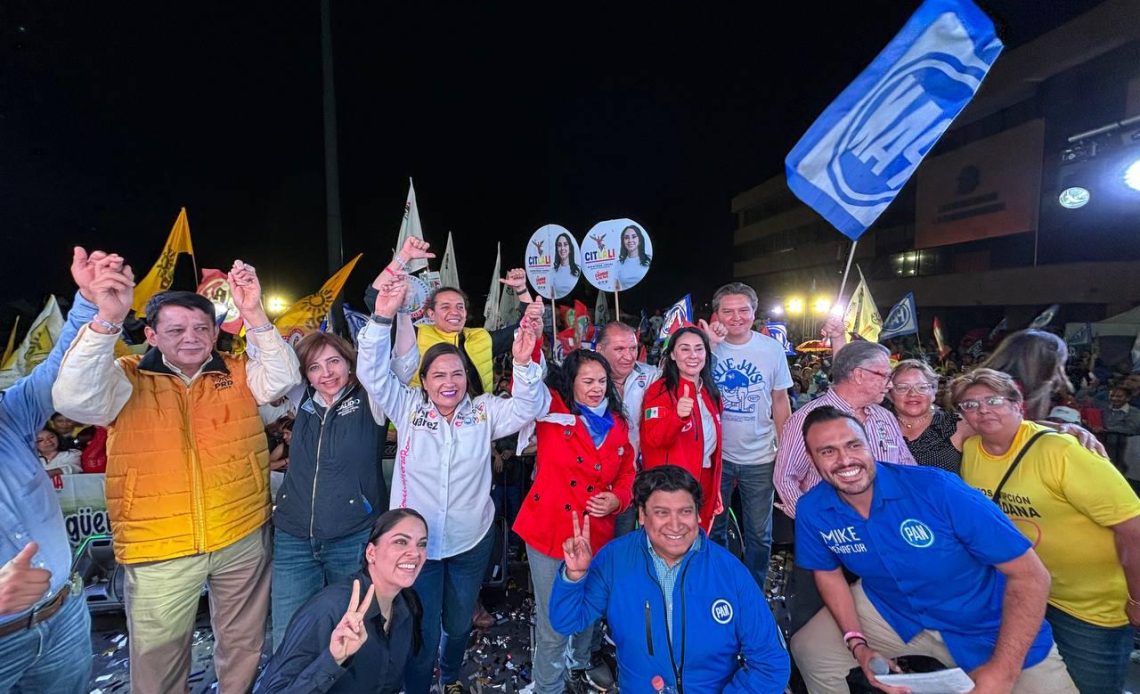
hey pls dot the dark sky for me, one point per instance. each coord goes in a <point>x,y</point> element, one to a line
<point>113,115</point>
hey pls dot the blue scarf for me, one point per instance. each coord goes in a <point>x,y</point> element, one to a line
<point>598,421</point>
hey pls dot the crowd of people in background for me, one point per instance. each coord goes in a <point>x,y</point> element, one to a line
<point>972,508</point>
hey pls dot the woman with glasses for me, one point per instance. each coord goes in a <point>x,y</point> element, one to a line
<point>1080,513</point>
<point>933,435</point>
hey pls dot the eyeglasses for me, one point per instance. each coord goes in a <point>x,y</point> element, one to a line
<point>885,375</point>
<point>991,401</point>
<point>920,388</point>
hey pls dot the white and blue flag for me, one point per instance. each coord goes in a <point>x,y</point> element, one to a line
<point>677,316</point>
<point>902,320</point>
<point>778,331</point>
<point>859,153</point>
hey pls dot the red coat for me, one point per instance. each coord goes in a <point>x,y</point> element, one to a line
<point>667,439</point>
<point>569,471</point>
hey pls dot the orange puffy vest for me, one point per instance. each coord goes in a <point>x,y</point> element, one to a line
<point>187,466</point>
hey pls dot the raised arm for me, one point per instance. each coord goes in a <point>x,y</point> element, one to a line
<point>90,386</point>
<point>373,359</point>
<point>528,394</point>
<point>272,368</point>
<point>28,401</point>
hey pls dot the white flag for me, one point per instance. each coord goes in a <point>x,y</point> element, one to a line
<point>448,272</point>
<point>601,310</point>
<point>494,320</point>
<point>35,346</point>
<point>410,226</point>
<point>862,316</point>
<point>510,308</point>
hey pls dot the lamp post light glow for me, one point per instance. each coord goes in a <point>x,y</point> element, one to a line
<point>1132,175</point>
<point>777,310</point>
<point>795,306</point>
<point>276,305</point>
<point>821,306</point>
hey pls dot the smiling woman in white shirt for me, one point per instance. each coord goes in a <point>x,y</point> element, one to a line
<point>443,447</point>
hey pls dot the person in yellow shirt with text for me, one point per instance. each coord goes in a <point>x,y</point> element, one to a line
<point>1080,514</point>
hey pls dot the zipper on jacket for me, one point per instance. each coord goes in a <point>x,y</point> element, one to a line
<point>648,628</point>
<point>678,671</point>
<point>316,473</point>
<point>198,512</point>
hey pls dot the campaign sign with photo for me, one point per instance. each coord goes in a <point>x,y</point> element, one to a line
<point>616,254</point>
<point>552,261</point>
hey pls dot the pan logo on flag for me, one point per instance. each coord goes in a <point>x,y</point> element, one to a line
<point>895,123</point>
<point>898,319</point>
<point>853,161</point>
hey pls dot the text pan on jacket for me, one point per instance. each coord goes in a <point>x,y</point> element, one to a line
<point>443,467</point>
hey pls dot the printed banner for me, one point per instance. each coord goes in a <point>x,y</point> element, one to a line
<point>855,158</point>
<point>552,261</point>
<point>616,254</point>
<point>84,503</point>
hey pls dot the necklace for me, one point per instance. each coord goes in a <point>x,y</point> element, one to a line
<point>911,424</point>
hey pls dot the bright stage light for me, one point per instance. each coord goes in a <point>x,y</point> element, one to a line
<point>777,310</point>
<point>1132,175</point>
<point>1076,196</point>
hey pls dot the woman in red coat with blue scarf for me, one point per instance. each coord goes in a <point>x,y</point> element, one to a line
<point>585,465</point>
<point>680,421</point>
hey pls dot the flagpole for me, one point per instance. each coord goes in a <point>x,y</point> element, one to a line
<point>197,277</point>
<point>846,271</point>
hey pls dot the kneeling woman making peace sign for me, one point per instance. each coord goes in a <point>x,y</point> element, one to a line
<point>443,469</point>
<point>363,649</point>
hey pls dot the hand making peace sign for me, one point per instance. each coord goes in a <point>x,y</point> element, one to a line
<point>576,548</point>
<point>350,634</point>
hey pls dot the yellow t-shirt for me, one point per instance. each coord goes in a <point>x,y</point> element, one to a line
<point>1063,498</point>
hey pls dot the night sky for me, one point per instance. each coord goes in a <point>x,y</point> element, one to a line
<point>113,115</point>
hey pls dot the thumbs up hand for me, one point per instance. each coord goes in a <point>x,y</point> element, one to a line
<point>685,402</point>
<point>22,585</point>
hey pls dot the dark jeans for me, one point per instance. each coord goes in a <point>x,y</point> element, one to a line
<point>53,656</point>
<point>1096,657</point>
<point>756,495</point>
<point>447,589</point>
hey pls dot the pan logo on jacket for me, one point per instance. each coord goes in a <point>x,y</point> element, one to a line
<point>722,611</point>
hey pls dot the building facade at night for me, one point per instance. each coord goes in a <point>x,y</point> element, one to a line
<point>979,233</point>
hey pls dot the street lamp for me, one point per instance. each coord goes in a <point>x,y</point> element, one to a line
<point>276,305</point>
<point>776,310</point>
<point>795,306</point>
<point>822,305</point>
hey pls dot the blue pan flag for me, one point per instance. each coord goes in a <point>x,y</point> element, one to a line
<point>902,320</point>
<point>857,156</point>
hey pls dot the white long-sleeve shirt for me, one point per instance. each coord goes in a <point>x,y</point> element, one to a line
<point>443,468</point>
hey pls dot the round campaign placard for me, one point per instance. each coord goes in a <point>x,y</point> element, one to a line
<point>616,254</point>
<point>552,261</point>
<point>416,297</point>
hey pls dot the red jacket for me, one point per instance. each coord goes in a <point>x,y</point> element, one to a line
<point>569,471</point>
<point>667,439</point>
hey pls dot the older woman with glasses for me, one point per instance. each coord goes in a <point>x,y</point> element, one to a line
<point>933,435</point>
<point>1080,514</point>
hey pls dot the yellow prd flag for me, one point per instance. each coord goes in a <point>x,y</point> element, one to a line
<point>304,316</point>
<point>862,316</point>
<point>35,346</point>
<point>161,276</point>
<point>11,343</point>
